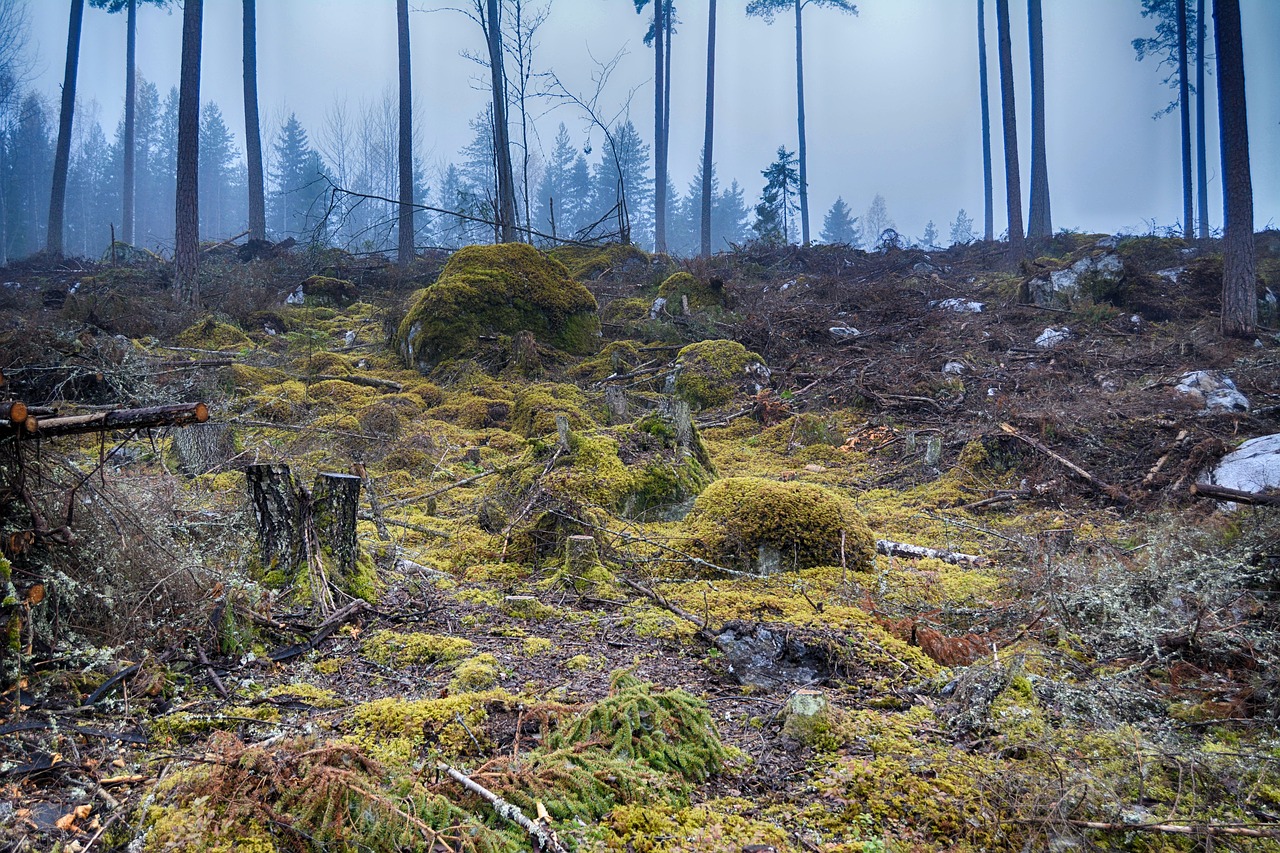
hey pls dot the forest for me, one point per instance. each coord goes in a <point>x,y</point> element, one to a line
<point>525,501</point>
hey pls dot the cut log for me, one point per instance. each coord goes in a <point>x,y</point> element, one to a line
<point>13,411</point>
<point>277,506</point>
<point>1222,493</point>
<point>181,414</point>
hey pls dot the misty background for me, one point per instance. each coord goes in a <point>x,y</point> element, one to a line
<point>892,108</point>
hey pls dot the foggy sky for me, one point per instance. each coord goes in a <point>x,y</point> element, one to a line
<point>891,94</point>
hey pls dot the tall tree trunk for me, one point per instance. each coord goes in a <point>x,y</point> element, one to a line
<point>187,206</point>
<point>62,155</point>
<point>1239,286</point>
<point>1184,109</point>
<point>708,135</point>
<point>252,131</point>
<point>659,130</point>
<point>501,140</point>
<point>1039,220</point>
<point>1202,168</point>
<point>803,149</point>
<point>405,249</point>
<point>666,110</point>
<point>988,204</point>
<point>130,109</point>
<point>1009,117</point>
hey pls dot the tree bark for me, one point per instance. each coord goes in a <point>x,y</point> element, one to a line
<point>802,151</point>
<point>62,154</point>
<point>186,253</point>
<point>659,131</point>
<point>708,135</point>
<point>1039,220</point>
<point>1009,117</point>
<point>335,501</point>
<point>987,182</point>
<point>501,134</point>
<point>405,247</point>
<point>252,130</point>
<point>202,448</point>
<point>130,110</point>
<point>277,507</point>
<point>1239,287</point>
<point>1202,159</point>
<point>180,414</point>
<point>1184,110</point>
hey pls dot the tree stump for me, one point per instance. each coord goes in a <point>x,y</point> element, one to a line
<point>615,400</point>
<point>277,503</point>
<point>202,448</point>
<point>334,503</point>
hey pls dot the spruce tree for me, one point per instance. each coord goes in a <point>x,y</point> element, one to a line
<point>839,227</point>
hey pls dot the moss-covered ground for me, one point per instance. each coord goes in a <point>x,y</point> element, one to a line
<point>563,539</point>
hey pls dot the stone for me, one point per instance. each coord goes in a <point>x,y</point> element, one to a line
<point>1215,389</point>
<point>768,659</point>
<point>657,307</point>
<point>958,306</point>
<point>844,331</point>
<point>1051,337</point>
<point>1102,272</point>
<point>806,716</point>
<point>1251,467</point>
<point>953,368</point>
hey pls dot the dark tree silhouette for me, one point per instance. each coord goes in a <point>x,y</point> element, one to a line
<point>501,141</point>
<point>767,9</point>
<point>1009,118</point>
<point>659,32</point>
<point>1184,110</point>
<point>988,205</point>
<point>1039,220</point>
<point>1239,266</point>
<point>405,250</point>
<point>1202,168</point>
<point>708,134</point>
<point>186,239</point>
<point>252,130</point>
<point>62,153</point>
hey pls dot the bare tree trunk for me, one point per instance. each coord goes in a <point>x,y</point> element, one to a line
<point>62,155</point>
<point>987,182</point>
<point>708,135</point>
<point>130,110</point>
<point>1039,220</point>
<point>334,501</point>
<point>802,151</point>
<point>666,116</point>
<point>1202,159</point>
<point>202,448</point>
<point>1009,117</point>
<point>187,208</point>
<point>252,131</point>
<point>405,248</point>
<point>501,140</point>
<point>659,131</point>
<point>1239,285</point>
<point>1184,109</point>
<point>277,506</point>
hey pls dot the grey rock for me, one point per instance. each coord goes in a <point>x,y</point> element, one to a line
<point>1215,389</point>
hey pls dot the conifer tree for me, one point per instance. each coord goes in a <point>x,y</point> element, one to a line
<point>838,226</point>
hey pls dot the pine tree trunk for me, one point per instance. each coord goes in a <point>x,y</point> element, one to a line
<point>252,131</point>
<point>1184,109</point>
<point>501,134</point>
<point>277,507</point>
<point>708,135</point>
<point>62,155</point>
<point>987,182</point>
<point>1009,117</point>
<point>186,253</point>
<point>1202,158</point>
<point>659,132</point>
<point>405,248</point>
<point>1039,220</point>
<point>130,111</point>
<point>803,149</point>
<point>1239,286</point>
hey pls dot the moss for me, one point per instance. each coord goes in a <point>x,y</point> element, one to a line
<point>323,363</point>
<point>578,663</point>
<point>596,474</point>
<point>710,373</point>
<point>533,646</point>
<point>725,824</point>
<point>536,407</point>
<point>283,403</point>
<point>330,292</point>
<point>210,334</point>
<point>476,673</point>
<point>394,729</point>
<point>616,259</point>
<point>735,521</point>
<point>392,648</point>
<point>699,294</point>
<point>184,725</point>
<point>250,379</point>
<point>500,289</point>
<point>340,394</point>
<point>616,357</point>
<point>316,697</point>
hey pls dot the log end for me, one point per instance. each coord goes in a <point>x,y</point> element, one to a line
<point>201,413</point>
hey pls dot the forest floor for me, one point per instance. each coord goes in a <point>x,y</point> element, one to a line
<point>1088,660</point>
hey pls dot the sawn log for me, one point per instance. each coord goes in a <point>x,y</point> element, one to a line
<point>180,414</point>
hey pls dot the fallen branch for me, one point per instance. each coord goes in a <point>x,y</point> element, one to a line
<point>326,628</point>
<point>544,837</point>
<point>213,673</point>
<point>889,548</point>
<point>1112,492</point>
<point>180,414</point>
<point>1271,497</point>
<point>1202,829</point>
<point>703,632</point>
<point>366,381</point>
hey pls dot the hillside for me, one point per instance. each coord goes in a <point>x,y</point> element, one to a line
<point>788,549</point>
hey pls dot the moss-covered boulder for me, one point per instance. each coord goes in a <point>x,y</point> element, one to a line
<point>756,525</point>
<point>210,334</point>
<point>497,290</point>
<point>328,291</point>
<point>710,373</point>
<point>699,294</point>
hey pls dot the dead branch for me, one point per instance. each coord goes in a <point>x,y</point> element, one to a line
<point>1112,492</point>
<point>180,414</point>
<point>326,628</point>
<point>366,381</point>
<point>1271,497</point>
<point>540,831</point>
<point>703,632</point>
<point>889,548</point>
<point>1172,828</point>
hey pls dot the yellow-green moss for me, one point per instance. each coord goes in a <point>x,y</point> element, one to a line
<point>392,648</point>
<point>699,293</point>
<point>587,262</point>
<point>476,673</point>
<point>340,394</point>
<point>712,372</point>
<point>537,646</point>
<point>250,379</point>
<point>394,729</point>
<point>616,357</point>
<point>499,289</point>
<point>210,334</point>
<point>283,403</point>
<point>316,697</point>
<point>323,362</point>
<point>727,824</point>
<point>324,290</point>
<point>536,407</point>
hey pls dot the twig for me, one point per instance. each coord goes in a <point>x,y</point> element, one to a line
<point>326,628</point>
<point>703,631</point>
<point>544,837</point>
<point>1270,497</point>
<point>213,673</point>
<point>903,549</point>
<point>1112,492</point>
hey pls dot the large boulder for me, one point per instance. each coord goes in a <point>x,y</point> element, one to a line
<point>1252,467</point>
<point>710,373</point>
<point>497,290</point>
<point>1095,278</point>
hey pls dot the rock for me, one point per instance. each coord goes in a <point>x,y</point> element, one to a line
<point>1215,389</point>
<point>1088,276</point>
<point>768,659</point>
<point>657,307</point>
<point>959,306</point>
<point>953,368</point>
<point>1052,337</point>
<point>1171,275</point>
<point>807,716</point>
<point>844,331</point>
<point>1251,467</point>
<point>1108,242</point>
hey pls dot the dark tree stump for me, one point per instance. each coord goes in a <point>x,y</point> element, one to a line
<point>334,502</point>
<point>277,505</point>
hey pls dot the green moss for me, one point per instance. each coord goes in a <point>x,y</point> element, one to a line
<point>316,697</point>
<point>616,259</point>
<point>699,293</point>
<point>616,357</point>
<point>500,289</point>
<point>394,729</point>
<point>184,725</point>
<point>476,673</point>
<point>710,373</point>
<point>392,648</point>
<point>330,292</point>
<point>736,523</point>
<point>536,407</point>
<point>340,394</point>
<point>210,334</point>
